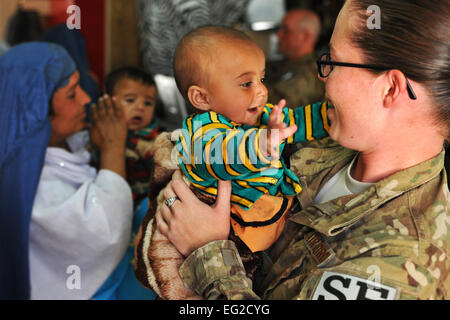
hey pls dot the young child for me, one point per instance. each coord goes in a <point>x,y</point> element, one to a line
<point>233,136</point>
<point>136,91</point>
<point>220,72</point>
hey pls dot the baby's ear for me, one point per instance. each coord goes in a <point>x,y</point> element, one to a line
<point>198,98</point>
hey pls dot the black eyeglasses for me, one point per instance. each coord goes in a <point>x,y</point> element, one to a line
<point>325,65</point>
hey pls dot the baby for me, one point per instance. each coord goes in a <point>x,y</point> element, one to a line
<point>237,136</point>
<point>136,91</point>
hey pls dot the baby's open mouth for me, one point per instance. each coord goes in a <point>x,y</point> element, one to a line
<point>136,119</point>
<point>253,110</point>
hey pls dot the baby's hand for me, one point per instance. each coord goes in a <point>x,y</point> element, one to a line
<point>277,130</point>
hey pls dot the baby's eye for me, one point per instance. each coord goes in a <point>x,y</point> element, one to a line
<point>263,80</point>
<point>129,100</point>
<point>246,84</point>
<point>148,104</point>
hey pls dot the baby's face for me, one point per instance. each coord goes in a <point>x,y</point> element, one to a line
<point>138,100</point>
<point>236,89</point>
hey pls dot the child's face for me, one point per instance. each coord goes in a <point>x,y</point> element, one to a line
<point>138,100</point>
<point>235,88</point>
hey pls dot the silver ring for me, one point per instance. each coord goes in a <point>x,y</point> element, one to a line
<point>169,202</point>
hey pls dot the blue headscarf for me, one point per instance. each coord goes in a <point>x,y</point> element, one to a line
<point>3,47</point>
<point>29,75</point>
<point>75,44</point>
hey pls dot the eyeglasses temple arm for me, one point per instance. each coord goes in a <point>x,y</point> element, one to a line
<point>411,93</point>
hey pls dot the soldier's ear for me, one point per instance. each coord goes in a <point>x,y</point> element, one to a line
<point>198,97</point>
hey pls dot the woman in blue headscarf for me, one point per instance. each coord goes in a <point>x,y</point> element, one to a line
<point>24,136</point>
<point>64,226</point>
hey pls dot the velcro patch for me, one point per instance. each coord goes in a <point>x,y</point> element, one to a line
<point>229,257</point>
<point>338,286</point>
<point>319,249</point>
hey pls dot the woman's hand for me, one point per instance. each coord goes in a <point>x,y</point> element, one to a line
<point>109,133</point>
<point>189,223</point>
<point>109,128</point>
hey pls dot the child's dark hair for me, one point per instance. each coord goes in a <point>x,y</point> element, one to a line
<point>127,72</point>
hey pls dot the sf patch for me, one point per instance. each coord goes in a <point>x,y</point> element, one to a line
<point>339,286</point>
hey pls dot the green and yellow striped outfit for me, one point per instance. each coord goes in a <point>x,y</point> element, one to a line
<point>212,148</point>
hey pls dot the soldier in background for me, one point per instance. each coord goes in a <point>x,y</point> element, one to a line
<point>295,77</point>
<point>326,9</point>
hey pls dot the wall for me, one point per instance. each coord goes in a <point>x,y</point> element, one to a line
<point>93,25</point>
<point>110,29</point>
<point>122,40</point>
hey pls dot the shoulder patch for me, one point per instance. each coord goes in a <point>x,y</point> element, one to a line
<point>339,286</point>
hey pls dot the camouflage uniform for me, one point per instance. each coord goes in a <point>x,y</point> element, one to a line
<point>296,81</point>
<point>388,242</point>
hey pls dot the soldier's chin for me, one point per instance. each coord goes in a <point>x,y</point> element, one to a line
<point>335,133</point>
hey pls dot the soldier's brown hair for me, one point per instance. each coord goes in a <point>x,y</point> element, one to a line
<point>414,37</point>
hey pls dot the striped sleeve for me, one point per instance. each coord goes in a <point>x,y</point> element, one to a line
<point>212,148</point>
<point>311,120</point>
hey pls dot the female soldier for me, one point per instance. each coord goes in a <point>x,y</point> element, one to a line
<point>372,221</point>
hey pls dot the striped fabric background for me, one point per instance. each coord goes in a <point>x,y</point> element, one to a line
<point>162,23</point>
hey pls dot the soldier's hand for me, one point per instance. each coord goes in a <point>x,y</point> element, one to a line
<point>187,223</point>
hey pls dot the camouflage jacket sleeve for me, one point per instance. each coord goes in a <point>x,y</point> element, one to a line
<point>215,271</point>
